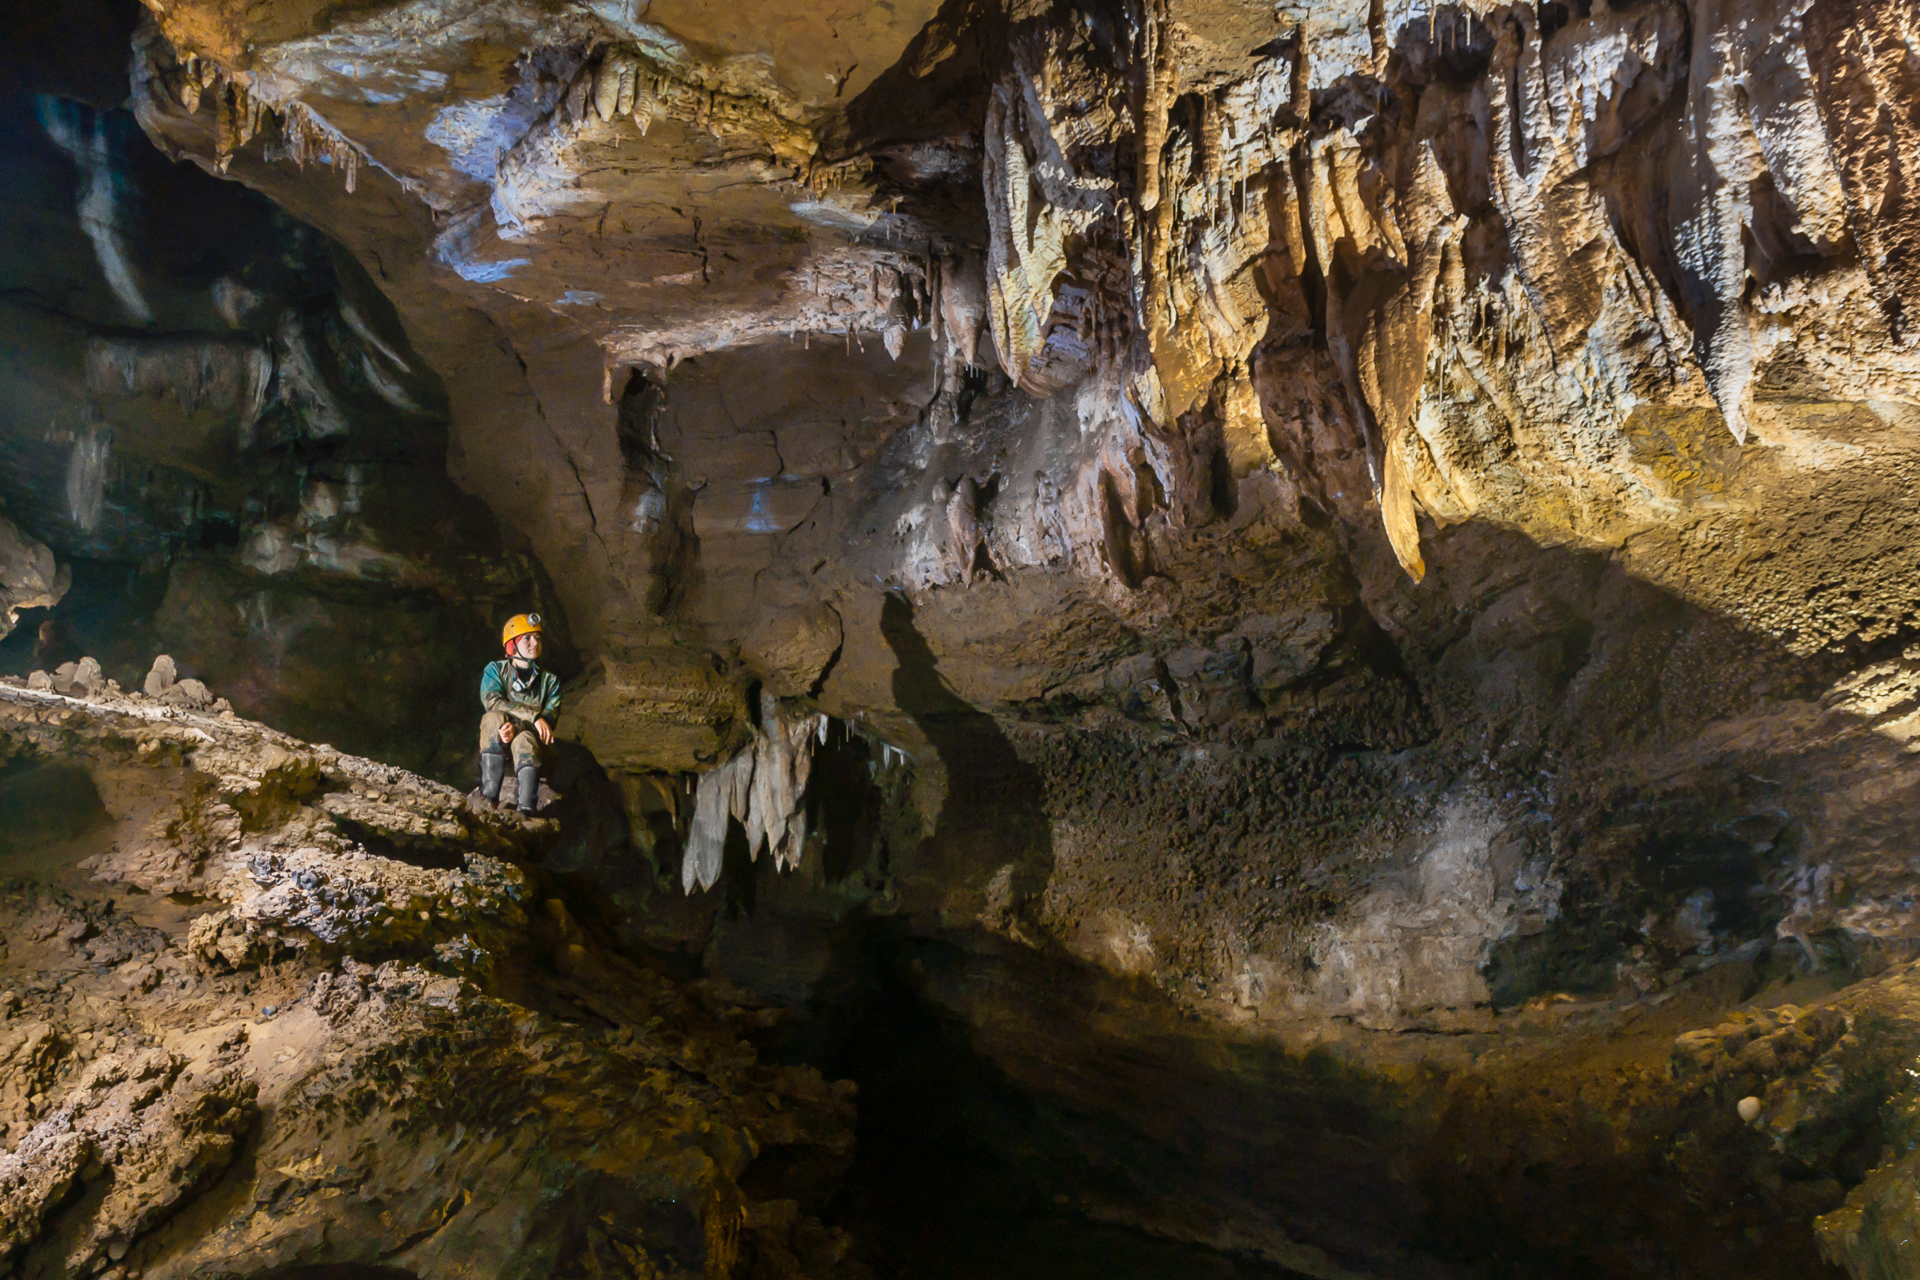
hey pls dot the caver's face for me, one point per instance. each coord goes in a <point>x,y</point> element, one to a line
<point>527,646</point>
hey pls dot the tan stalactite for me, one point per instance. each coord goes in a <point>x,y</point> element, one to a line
<point>1392,355</point>
<point>1281,190</point>
<point>1243,426</point>
<point>1026,248</point>
<point>762,788</point>
<point>1749,115</point>
<point>1159,87</point>
<point>1225,217</point>
<point>1039,200</point>
<point>963,304</point>
<point>1345,240</point>
<point>1554,221</point>
<point>1182,379</point>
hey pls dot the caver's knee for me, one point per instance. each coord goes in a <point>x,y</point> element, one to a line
<point>490,731</point>
<point>526,749</point>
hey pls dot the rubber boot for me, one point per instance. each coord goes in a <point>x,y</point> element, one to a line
<point>528,780</point>
<point>493,774</point>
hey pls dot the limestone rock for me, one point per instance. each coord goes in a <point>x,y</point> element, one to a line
<point>792,649</point>
<point>664,710</point>
<point>29,575</point>
<point>82,679</point>
<point>162,677</point>
<point>130,1081</point>
<point>162,1133</point>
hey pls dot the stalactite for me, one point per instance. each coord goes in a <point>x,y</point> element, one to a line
<point>762,787</point>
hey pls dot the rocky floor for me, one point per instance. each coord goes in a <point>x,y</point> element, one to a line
<point>268,1005</point>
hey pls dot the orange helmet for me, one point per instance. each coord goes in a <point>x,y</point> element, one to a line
<point>520,624</point>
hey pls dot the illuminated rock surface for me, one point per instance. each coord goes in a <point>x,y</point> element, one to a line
<point>1316,611</point>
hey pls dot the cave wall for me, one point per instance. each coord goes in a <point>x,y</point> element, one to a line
<point>215,417</point>
<point>1350,520</point>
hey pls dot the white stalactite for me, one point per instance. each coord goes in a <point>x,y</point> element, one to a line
<point>764,788</point>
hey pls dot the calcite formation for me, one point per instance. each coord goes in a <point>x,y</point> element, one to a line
<point>763,788</point>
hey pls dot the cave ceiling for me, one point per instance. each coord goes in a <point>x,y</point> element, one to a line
<point>746,315</point>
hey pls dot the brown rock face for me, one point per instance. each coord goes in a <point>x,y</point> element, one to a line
<point>268,1006</point>
<point>29,577</point>
<point>1316,610</point>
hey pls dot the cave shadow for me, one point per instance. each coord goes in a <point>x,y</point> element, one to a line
<point>1023,1114</point>
<point>338,1271</point>
<point>993,816</point>
<point>957,1165</point>
<point>44,801</point>
<point>1011,1096</point>
<point>843,805</point>
<point>427,853</point>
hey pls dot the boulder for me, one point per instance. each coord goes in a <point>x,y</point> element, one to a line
<point>29,577</point>
<point>791,650</point>
<point>162,677</point>
<point>82,679</point>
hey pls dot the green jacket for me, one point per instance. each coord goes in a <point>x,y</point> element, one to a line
<point>534,696</point>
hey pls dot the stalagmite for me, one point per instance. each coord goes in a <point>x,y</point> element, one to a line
<point>963,304</point>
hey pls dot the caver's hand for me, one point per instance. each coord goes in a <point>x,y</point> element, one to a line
<point>545,731</point>
<point>506,732</point>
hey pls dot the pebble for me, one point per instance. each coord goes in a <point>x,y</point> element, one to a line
<point>268,1010</point>
<point>1749,1109</point>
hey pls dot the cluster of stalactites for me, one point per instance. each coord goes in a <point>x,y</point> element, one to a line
<point>230,374</point>
<point>240,114</point>
<point>762,788</point>
<point>309,138</point>
<point>1236,201</point>
<point>237,113</point>
<point>623,83</point>
<point>835,297</point>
